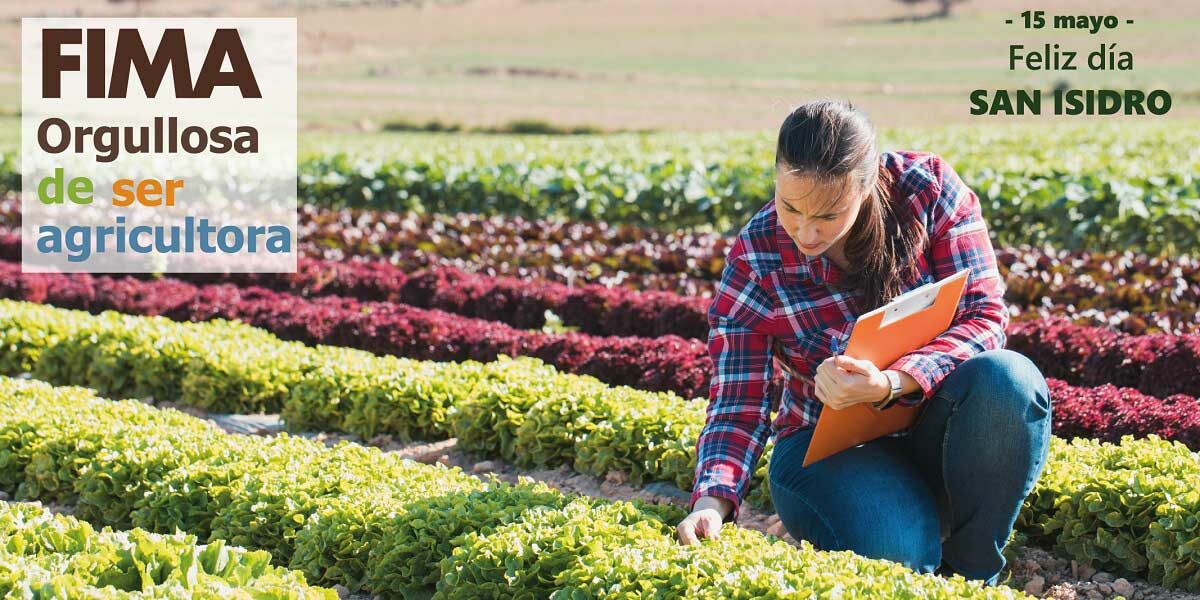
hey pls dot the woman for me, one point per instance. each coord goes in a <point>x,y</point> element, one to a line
<point>849,229</point>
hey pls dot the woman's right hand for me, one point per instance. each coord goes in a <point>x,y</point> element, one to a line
<point>704,521</point>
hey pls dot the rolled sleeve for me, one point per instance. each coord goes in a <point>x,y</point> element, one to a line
<point>737,425</point>
<point>958,240</point>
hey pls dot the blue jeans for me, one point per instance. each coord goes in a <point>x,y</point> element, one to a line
<point>964,469</point>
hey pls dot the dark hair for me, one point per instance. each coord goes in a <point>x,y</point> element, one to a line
<point>834,143</point>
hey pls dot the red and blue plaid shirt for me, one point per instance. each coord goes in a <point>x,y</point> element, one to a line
<point>772,302</point>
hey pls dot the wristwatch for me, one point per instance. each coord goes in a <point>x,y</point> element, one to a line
<point>894,379</point>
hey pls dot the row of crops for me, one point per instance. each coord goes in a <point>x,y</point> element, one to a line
<point>49,555</point>
<point>1157,364</point>
<point>687,263</point>
<point>354,516</point>
<point>1111,186</point>
<point>1125,507</point>
<point>1120,187</point>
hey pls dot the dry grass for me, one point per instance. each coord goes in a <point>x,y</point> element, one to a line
<point>671,64</point>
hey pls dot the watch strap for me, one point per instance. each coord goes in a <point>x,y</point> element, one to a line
<point>896,388</point>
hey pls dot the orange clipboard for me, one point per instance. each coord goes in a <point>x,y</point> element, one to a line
<point>882,336</point>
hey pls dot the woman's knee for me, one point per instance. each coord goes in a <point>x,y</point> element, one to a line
<point>1004,378</point>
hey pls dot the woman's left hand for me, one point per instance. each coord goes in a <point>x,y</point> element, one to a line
<point>842,381</point>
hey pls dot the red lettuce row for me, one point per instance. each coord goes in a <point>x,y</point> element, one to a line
<point>617,311</point>
<point>690,263</point>
<point>667,363</point>
<point>593,309</point>
<point>643,250</point>
<point>532,242</point>
<point>1113,280</point>
<point>1108,412</point>
<point>1157,364</point>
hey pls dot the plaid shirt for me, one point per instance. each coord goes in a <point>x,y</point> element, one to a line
<point>772,302</point>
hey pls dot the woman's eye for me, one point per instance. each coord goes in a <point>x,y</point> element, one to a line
<point>793,211</point>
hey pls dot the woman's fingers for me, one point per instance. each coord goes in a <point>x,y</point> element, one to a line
<point>819,384</point>
<point>854,365</point>
<point>710,526</point>
<point>841,381</point>
<point>825,392</point>
<point>687,530</point>
<point>705,523</point>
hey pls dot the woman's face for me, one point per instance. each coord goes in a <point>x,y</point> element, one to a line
<point>817,216</point>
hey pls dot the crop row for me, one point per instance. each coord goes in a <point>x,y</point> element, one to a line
<point>1102,292</point>
<point>1035,149</point>
<point>355,516</point>
<point>527,242</point>
<point>46,555</point>
<point>1109,413</point>
<point>1114,210</point>
<point>1126,292</point>
<point>1133,307</point>
<point>1104,412</point>
<point>1121,279</point>
<point>1157,364</point>
<point>1143,286</point>
<point>1121,507</point>
<point>519,410</point>
<point>593,309</point>
<point>646,251</point>
<point>479,244</point>
<point>1169,321</point>
<point>1131,293</point>
<point>664,363</point>
<point>407,238</point>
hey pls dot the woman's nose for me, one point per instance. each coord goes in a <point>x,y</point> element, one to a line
<point>809,236</point>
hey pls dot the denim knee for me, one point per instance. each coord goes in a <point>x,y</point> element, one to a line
<point>1006,377</point>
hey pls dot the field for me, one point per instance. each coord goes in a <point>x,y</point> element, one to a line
<point>487,377</point>
<point>397,333</point>
<point>673,65</point>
